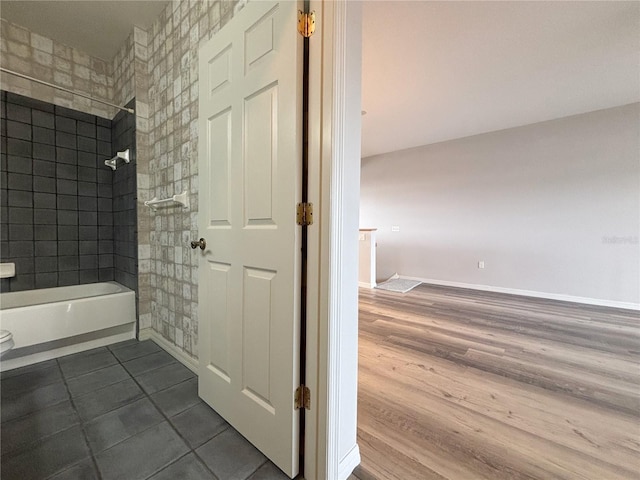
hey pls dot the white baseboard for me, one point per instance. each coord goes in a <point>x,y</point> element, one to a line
<point>531,293</point>
<point>348,463</point>
<point>184,358</point>
<point>366,285</point>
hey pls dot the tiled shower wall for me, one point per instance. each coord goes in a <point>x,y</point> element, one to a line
<point>124,201</point>
<point>56,218</point>
<point>173,42</point>
<point>44,58</point>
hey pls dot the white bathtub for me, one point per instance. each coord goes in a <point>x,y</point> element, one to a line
<point>51,322</point>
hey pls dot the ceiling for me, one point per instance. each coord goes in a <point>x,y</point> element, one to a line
<point>435,71</point>
<point>432,71</point>
<point>98,28</point>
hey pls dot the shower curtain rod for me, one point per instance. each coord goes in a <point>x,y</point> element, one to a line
<point>130,110</point>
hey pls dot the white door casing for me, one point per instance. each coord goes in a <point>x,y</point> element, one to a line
<point>331,451</point>
<point>249,160</point>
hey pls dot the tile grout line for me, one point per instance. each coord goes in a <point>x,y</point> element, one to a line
<point>82,422</point>
<point>266,460</point>
<point>34,444</point>
<point>166,418</point>
<point>32,390</point>
<point>173,463</point>
<point>84,433</point>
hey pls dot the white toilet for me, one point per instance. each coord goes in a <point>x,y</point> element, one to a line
<point>6,342</point>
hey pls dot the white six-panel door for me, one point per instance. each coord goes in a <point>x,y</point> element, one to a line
<point>249,274</point>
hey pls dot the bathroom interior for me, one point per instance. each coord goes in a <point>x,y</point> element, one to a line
<point>95,276</point>
<point>69,219</point>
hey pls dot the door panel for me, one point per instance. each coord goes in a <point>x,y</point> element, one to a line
<point>219,352</point>
<point>219,129</point>
<point>256,335</point>
<point>219,71</point>
<point>249,276</point>
<point>260,146</point>
<point>260,39</point>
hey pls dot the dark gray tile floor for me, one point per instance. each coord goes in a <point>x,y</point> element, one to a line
<point>128,411</point>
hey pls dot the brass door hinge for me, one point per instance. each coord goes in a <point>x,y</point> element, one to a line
<point>302,398</point>
<point>304,214</point>
<point>306,23</point>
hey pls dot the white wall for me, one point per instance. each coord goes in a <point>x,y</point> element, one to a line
<point>552,207</point>
<point>348,450</point>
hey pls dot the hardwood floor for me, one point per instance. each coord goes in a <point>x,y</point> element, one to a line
<point>460,384</point>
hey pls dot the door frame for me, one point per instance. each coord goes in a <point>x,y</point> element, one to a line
<point>331,450</point>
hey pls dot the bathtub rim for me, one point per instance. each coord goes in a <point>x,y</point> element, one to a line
<point>110,288</point>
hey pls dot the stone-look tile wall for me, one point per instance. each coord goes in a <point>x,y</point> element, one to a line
<point>173,43</point>
<point>40,57</point>
<point>122,67</point>
<point>141,74</point>
<point>131,81</point>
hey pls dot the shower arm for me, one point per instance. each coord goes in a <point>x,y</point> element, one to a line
<point>114,161</point>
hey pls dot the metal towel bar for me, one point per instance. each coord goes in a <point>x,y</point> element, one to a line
<point>181,199</point>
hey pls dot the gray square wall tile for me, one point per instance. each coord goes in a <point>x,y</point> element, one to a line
<point>19,130</point>
<point>43,119</point>
<point>231,456</point>
<point>19,113</point>
<point>142,455</point>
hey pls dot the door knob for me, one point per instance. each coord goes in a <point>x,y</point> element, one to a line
<point>202,243</point>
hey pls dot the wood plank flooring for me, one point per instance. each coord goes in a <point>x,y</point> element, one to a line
<point>459,384</point>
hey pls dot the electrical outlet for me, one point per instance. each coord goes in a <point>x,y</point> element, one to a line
<point>395,228</point>
<point>481,264</point>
